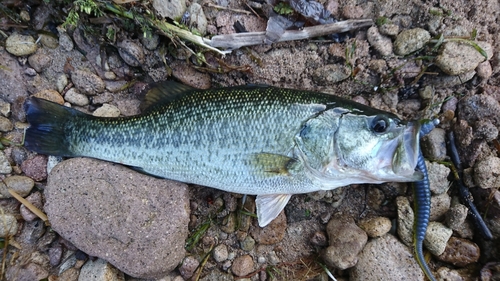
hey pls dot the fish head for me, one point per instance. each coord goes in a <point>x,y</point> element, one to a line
<point>345,147</point>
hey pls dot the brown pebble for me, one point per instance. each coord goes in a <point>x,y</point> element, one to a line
<point>460,252</point>
<point>35,168</point>
<point>51,95</point>
<point>242,265</point>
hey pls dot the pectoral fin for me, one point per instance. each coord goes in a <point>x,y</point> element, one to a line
<point>270,206</point>
<point>270,164</point>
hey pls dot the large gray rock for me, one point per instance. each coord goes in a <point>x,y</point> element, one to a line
<point>136,222</point>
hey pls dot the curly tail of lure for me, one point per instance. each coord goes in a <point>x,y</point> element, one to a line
<point>422,204</point>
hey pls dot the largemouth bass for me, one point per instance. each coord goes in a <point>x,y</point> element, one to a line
<point>257,140</point>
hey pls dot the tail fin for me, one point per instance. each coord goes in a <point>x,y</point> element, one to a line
<point>46,134</point>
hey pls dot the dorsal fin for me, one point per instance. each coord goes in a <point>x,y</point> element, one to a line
<point>164,92</point>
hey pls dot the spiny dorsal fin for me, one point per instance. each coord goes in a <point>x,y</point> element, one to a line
<point>164,92</point>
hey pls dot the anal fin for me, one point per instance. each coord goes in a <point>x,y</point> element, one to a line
<point>270,206</point>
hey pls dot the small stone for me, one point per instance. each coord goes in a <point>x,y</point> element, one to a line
<point>346,241</point>
<point>70,274</point>
<point>242,265</point>
<point>352,12</point>
<point>150,42</point>
<point>87,82</point>
<point>20,45</point>
<point>188,267</point>
<point>50,95</point>
<point>460,252</point>
<point>198,19</point>
<point>5,125</point>
<point>39,61</point>
<point>436,237</point>
<point>389,29</point>
<point>330,74</point>
<point>65,41</point>
<point>107,110</point>
<point>55,254</point>
<point>99,269</point>
<point>484,70</point>
<point>272,233</point>
<point>131,52</point>
<point>376,226</point>
<point>379,42</point>
<point>247,244</point>
<point>434,145</point>
<point>22,185</point>
<point>229,223</point>
<point>456,216</point>
<point>440,204</point>
<point>74,97</point>
<point>8,225</point>
<point>450,104</point>
<point>456,58</point>
<point>190,76</point>
<point>4,108</point>
<point>485,129</point>
<point>405,220</point>
<point>170,9</point>
<point>438,174</point>
<point>448,81</point>
<point>34,198</point>
<point>36,167</point>
<point>61,82</point>
<point>319,239</point>
<point>30,72</point>
<point>486,172</point>
<point>220,253</point>
<point>216,275</point>
<point>5,167</point>
<point>49,41</point>
<point>410,40</point>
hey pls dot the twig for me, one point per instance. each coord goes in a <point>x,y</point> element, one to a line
<point>225,8</point>
<point>238,40</point>
<point>30,206</point>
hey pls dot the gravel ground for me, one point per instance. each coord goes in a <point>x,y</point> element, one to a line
<point>107,222</point>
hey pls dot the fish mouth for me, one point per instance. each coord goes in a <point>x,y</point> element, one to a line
<point>406,154</point>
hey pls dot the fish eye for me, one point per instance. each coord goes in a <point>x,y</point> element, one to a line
<point>380,124</point>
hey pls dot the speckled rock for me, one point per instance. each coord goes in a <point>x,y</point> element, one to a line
<point>484,70</point>
<point>220,253</point>
<point>51,95</point>
<point>131,52</point>
<point>8,226</point>
<point>456,216</point>
<point>436,237</point>
<point>440,204</point>
<point>447,81</point>
<point>410,40</point>
<point>198,20</point>
<point>247,244</point>
<point>107,110</point>
<point>87,82</point>
<point>485,129</point>
<point>456,58</point>
<point>385,258</point>
<point>190,76</point>
<point>150,42</point>
<point>170,9</point>
<point>376,226</point>
<point>460,252</point>
<point>389,29</point>
<point>5,167</point>
<point>13,82</point>
<point>100,270</point>
<point>438,174</point>
<point>22,185</point>
<point>35,168</point>
<point>39,61</point>
<point>434,145</point>
<point>4,108</point>
<point>242,265</point>
<point>405,220</point>
<point>34,198</point>
<point>486,172</point>
<point>479,107</point>
<point>379,42</point>
<point>20,45</point>
<point>330,74</point>
<point>346,241</point>
<point>5,124</point>
<point>73,96</point>
<point>188,267</point>
<point>149,215</point>
<point>272,233</point>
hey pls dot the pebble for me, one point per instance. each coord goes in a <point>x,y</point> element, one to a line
<point>4,108</point>
<point>129,107</point>
<point>247,244</point>
<point>440,204</point>
<point>30,72</point>
<point>448,81</point>
<point>229,223</point>
<point>8,225</point>
<point>55,254</point>
<point>329,74</point>
<point>150,42</point>
<point>131,52</point>
<point>456,58</point>
<point>405,220</point>
<point>484,70</point>
<point>346,242</point>
<point>87,82</point>
<point>198,20</point>
<point>49,41</point>
<point>35,168</point>
<point>479,107</point>
<point>455,217</point>
<point>485,129</point>
<point>20,45</point>
<point>188,267</point>
<point>352,12</point>
<point>100,270</point>
<point>39,61</point>
<point>107,110</point>
<point>379,42</point>
<point>376,226</point>
<point>65,41</point>
<point>386,258</point>
<point>117,209</point>
<point>5,167</point>
<point>389,29</point>
<point>61,82</point>
<point>22,185</point>
<point>486,172</point>
<point>438,174</point>
<point>220,253</point>
<point>271,234</point>
<point>29,271</point>
<point>215,275</point>
<point>170,9</point>
<point>190,76</point>
<point>319,239</point>
<point>460,252</point>
<point>5,125</point>
<point>34,198</point>
<point>242,265</point>
<point>436,237</point>
<point>434,145</point>
<point>74,97</point>
<point>410,40</point>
